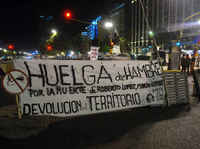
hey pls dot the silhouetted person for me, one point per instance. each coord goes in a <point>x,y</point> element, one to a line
<point>183,63</point>
<point>187,64</point>
<point>2,73</point>
<point>192,63</point>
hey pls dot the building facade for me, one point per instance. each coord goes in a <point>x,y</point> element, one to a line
<point>166,19</point>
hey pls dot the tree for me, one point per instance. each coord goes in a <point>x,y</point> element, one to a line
<point>124,45</point>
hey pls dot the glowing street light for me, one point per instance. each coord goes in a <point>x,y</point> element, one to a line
<point>108,24</point>
<point>62,53</point>
<point>5,51</point>
<point>151,33</point>
<point>53,31</point>
<point>72,53</point>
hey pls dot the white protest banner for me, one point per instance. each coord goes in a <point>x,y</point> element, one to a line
<point>74,88</point>
<point>94,52</point>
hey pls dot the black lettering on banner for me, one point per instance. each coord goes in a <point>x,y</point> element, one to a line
<point>159,93</point>
<point>108,76</point>
<point>41,109</point>
<point>89,98</point>
<point>108,88</point>
<point>31,75</point>
<point>72,90</point>
<point>150,98</point>
<point>131,74</point>
<point>110,102</point>
<point>128,73</point>
<point>50,92</point>
<point>157,68</point>
<point>140,70</point>
<point>60,108</point>
<point>129,99</point>
<point>48,108</point>
<point>26,109</point>
<point>34,109</point>
<point>149,70</point>
<point>123,100</point>
<point>36,92</point>
<point>86,80</point>
<point>103,102</point>
<point>63,75</point>
<point>137,98</point>
<point>120,77</point>
<point>47,76</point>
<point>96,103</point>
<point>113,101</point>
<point>129,86</point>
<point>93,89</point>
<point>135,73</point>
<point>74,77</point>
<point>117,98</point>
<point>61,90</point>
<point>67,107</point>
<point>77,90</point>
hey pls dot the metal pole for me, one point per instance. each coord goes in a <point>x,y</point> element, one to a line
<point>132,28</point>
<point>18,107</point>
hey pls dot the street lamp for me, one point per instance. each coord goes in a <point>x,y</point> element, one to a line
<point>108,25</point>
<point>53,31</point>
<point>151,33</point>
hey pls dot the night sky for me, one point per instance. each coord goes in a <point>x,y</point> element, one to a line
<point>21,23</point>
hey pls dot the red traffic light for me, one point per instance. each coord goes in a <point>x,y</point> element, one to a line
<point>68,14</point>
<point>49,48</point>
<point>11,47</point>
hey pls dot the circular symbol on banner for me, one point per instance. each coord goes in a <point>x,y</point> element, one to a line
<point>150,98</point>
<point>15,81</point>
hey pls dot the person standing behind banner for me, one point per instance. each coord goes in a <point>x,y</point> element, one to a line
<point>183,63</point>
<point>198,61</point>
<point>187,64</point>
<point>192,64</point>
<point>2,74</point>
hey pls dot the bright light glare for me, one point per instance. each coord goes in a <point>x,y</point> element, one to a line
<point>108,24</point>
<point>63,53</point>
<point>133,1</point>
<point>151,33</point>
<point>53,31</point>
<point>72,53</point>
<point>5,50</point>
<point>94,22</point>
<point>198,21</point>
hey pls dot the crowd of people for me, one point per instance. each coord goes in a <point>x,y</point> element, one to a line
<point>188,64</point>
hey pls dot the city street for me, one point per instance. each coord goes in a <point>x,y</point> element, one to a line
<point>109,74</point>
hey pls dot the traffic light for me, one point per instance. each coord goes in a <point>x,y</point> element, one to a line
<point>10,47</point>
<point>68,14</point>
<point>178,43</point>
<point>49,47</point>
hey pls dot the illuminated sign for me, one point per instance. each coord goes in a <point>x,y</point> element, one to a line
<point>93,28</point>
